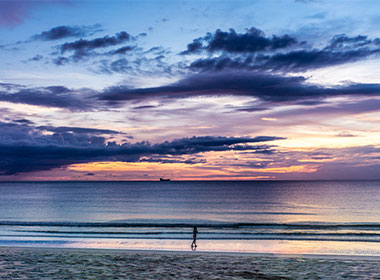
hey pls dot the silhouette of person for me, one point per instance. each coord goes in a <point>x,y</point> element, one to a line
<point>194,243</point>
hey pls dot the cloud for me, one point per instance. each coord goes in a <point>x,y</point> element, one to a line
<point>345,134</point>
<point>23,121</point>
<point>171,159</point>
<point>141,64</point>
<point>53,96</point>
<point>361,162</point>
<point>62,32</point>
<point>341,49</point>
<point>60,60</point>
<point>306,60</point>
<point>25,148</point>
<point>267,87</point>
<point>252,41</point>
<point>37,57</point>
<point>328,110</point>
<point>77,130</point>
<point>295,61</point>
<point>122,50</point>
<point>83,48</point>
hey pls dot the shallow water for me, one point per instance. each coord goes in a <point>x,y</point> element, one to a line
<point>328,217</point>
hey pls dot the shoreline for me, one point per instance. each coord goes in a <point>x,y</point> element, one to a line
<point>189,252</point>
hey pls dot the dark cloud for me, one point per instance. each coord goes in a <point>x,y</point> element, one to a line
<point>295,61</point>
<point>23,121</point>
<point>53,96</point>
<point>250,109</point>
<point>77,130</point>
<point>340,50</point>
<point>122,50</point>
<point>252,41</point>
<point>104,42</point>
<point>144,107</point>
<point>267,87</point>
<point>24,148</point>
<point>83,48</point>
<point>61,32</point>
<point>342,40</point>
<point>311,59</point>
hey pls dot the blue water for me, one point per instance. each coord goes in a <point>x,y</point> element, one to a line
<point>291,216</point>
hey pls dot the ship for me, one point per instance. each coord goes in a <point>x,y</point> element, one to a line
<point>164,180</point>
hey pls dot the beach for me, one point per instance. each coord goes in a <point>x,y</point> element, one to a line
<point>143,230</point>
<point>59,263</point>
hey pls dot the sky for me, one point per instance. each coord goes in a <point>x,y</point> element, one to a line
<point>189,90</point>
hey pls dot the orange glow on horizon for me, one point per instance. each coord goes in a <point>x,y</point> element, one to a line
<point>181,171</point>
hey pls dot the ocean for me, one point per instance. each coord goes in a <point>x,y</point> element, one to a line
<point>277,217</point>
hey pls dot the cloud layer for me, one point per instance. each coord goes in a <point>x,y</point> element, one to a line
<point>267,87</point>
<point>26,148</point>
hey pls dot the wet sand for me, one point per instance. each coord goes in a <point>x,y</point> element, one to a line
<point>50,263</point>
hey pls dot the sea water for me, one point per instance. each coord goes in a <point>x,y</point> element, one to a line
<point>292,217</point>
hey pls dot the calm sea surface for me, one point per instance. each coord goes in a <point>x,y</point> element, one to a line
<point>297,217</point>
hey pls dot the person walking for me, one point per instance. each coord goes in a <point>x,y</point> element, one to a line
<point>194,244</point>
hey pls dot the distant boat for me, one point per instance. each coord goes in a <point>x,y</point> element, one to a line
<point>164,180</point>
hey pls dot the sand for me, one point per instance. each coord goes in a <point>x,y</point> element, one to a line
<point>49,263</point>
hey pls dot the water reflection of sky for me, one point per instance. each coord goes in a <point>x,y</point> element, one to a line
<point>219,201</point>
<point>313,203</point>
<point>242,246</point>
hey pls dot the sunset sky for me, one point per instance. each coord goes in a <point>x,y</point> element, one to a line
<point>189,90</point>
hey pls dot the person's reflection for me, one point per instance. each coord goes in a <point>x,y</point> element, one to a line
<point>194,243</point>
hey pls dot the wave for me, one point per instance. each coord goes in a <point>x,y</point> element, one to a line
<point>211,238</point>
<point>216,225</point>
<point>203,233</point>
<point>349,232</point>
